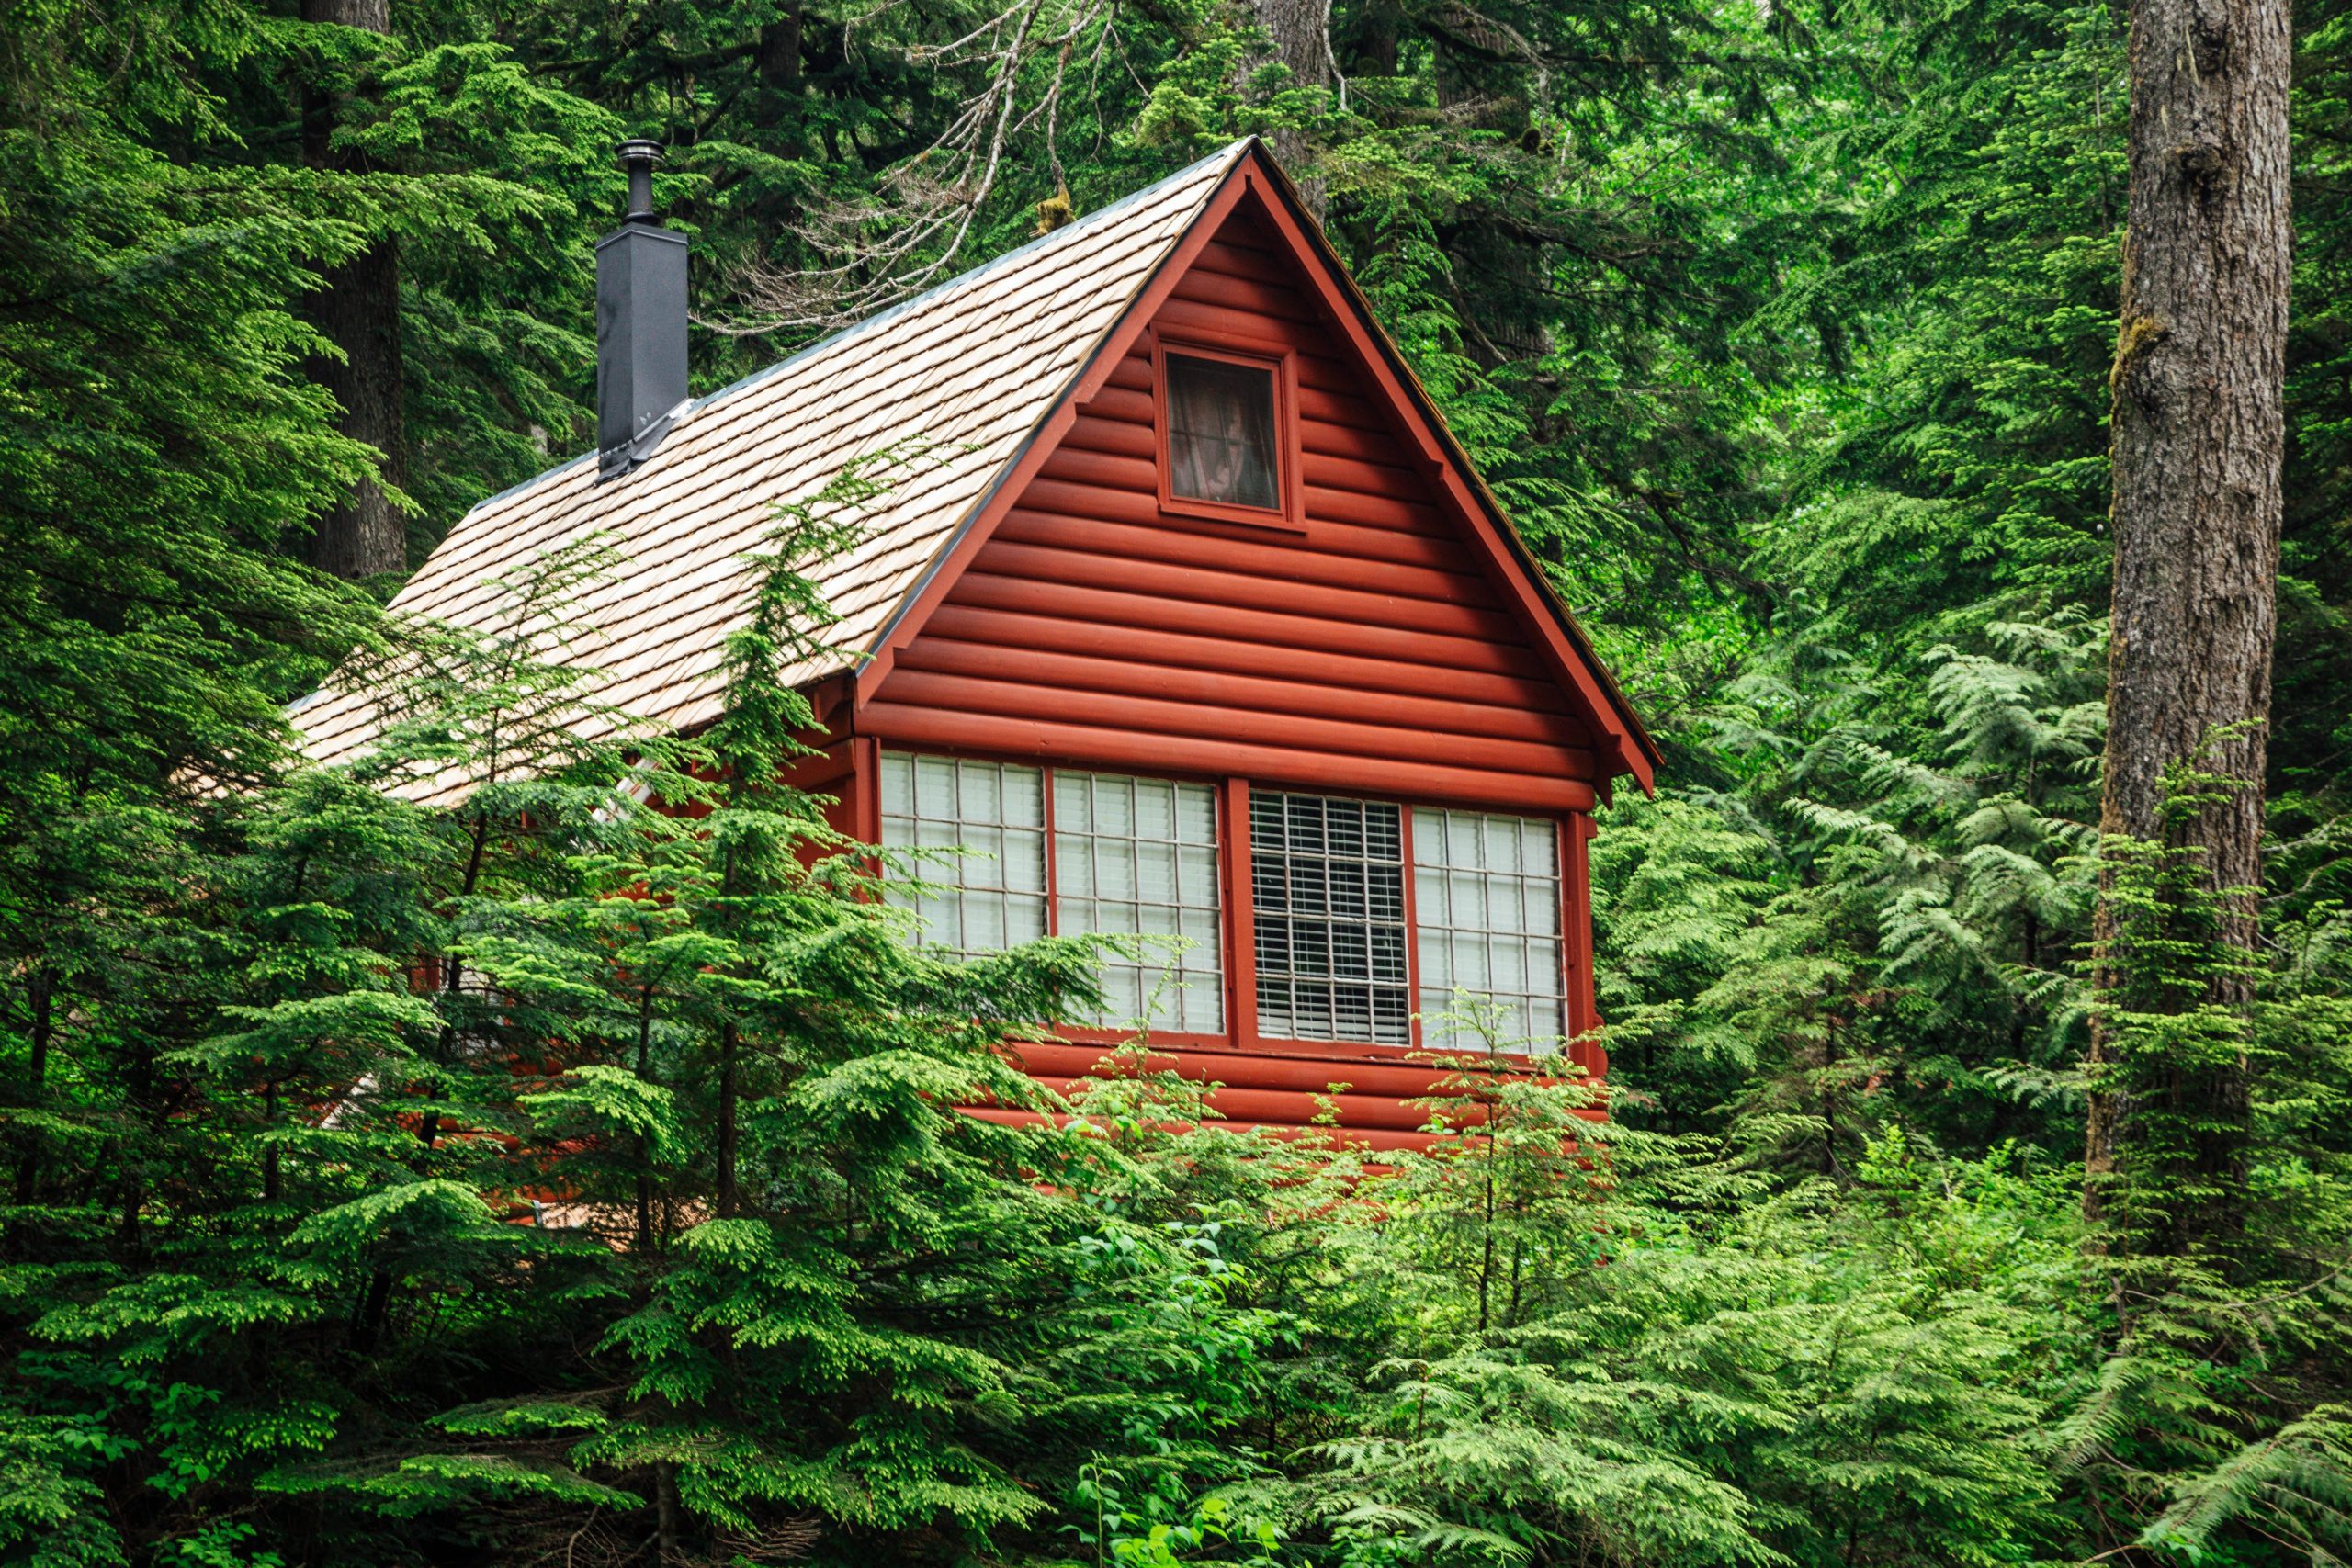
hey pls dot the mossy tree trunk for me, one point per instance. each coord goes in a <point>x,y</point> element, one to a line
<point>2197,433</point>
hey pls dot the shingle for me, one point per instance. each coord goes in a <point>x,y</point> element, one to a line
<point>958,376</point>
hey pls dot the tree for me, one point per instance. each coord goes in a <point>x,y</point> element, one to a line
<point>1300,32</point>
<point>358,307</point>
<point>2198,432</point>
<point>159,443</point>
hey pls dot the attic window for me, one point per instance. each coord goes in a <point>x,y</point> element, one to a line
<point>1222,431</point>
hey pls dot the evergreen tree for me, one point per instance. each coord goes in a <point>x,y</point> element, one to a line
<point>536,1143</point>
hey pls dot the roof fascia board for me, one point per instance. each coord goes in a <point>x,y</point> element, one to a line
<point>980,522</point>
<point>1511,564</point>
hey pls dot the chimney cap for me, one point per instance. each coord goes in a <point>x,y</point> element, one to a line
<point>637,156</point>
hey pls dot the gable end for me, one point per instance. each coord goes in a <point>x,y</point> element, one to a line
<point>1253,275</point>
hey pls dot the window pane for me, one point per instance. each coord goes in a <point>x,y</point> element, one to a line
<point>1024,797</point>
<point>981,799</point>
<point>1156,809</point>
<point>1024,860</point>
<point>1114,806</point>
<point>1156,874</point>
<point>1196,875</point>
<point>935,788</point>
<point>993,895</point>
<point>897,784</point>
<point>1221,431</point>
<point>1489,909</point>
<point>1329,883</point>
<point>1024,920</point>
<point>1139,855</point>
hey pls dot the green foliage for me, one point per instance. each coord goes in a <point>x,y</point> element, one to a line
<point>536,1141</point>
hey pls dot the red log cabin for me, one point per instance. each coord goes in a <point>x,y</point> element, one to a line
<point>1178,604</point>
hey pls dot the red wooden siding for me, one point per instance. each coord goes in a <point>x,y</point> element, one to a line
<point>1368,652</point>
<point>1354,644</point>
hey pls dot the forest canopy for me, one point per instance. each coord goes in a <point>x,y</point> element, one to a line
<point>1793,338</point>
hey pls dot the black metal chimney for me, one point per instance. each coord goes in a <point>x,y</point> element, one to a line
<point>641,325</point>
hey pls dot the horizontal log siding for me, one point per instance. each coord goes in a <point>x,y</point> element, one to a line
<point>1370,654</point>
<point>1366,1140</point>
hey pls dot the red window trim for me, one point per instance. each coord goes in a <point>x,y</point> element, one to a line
<point>1241,913</point>
<point>1238,915</point>
<point>1576,947</point>
<point>1412,927</point>
<point>1290,517</point>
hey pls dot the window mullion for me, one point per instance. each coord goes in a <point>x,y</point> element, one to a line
<point>1412,928</point>
<point>1053,870</point>
<point>1240,932</point>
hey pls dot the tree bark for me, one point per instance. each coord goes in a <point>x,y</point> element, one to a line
<point>644,1246</point>
<point>2198,429</point>
<point>1300,31</point>
<point>40,994</point>
<point>778,61</point>
<point>358,307</point>
<point>730,1194</point>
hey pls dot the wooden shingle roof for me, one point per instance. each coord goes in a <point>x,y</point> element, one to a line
<point>951,385</point>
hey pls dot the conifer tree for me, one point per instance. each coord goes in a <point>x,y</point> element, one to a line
<point>2199,441</point>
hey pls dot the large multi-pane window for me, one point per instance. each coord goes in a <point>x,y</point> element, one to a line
<point>991,896</point>
<point>1486,912</point>
<point>1327,883</point>
<point>1139,856</point>
<point>1339,953</point>
<point>1130,855</point>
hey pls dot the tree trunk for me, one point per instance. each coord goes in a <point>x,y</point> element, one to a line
<point>375,1313</point>
<point>778,63</point>
<point>644,1246</point>
<point>1379,39</point>
<point>1300,31</point>
<point>2199,434</point>
<point>40,994</point>
<point>272,1185</point>
<point>730,1194</point>
<point>357,309</point>
<point>666,1513</point>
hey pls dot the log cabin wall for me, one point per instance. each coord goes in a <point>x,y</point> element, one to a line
<point>1356,646</point>
<point>1365,651</point>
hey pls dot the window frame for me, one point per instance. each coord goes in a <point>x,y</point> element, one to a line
<point>1575,961</point>
<point>1288,517</point>
<point>1236,921</point>
<point>1220,864</point>
<point>1048,769</point>
<point>1407,930</point>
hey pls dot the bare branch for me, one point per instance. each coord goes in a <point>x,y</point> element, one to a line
<point>913,229</point>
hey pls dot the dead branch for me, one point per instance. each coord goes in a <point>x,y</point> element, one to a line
<point>890,245</point>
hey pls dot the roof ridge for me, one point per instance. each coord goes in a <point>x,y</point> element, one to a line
<point>1066,232</point>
